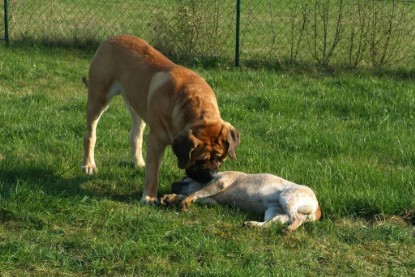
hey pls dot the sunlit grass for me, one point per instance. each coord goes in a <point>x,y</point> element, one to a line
<point>348,136</point>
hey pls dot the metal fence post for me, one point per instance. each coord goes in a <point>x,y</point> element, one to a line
<point>6,21</point>
<point>238,19</point>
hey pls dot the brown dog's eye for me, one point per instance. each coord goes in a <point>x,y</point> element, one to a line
<point>218,158</point>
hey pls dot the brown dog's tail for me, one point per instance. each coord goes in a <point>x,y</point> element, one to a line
<point>85,81</point>
<point>319,213</point>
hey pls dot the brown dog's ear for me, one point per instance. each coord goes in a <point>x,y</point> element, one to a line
<point>233,141</point>
<point>183,146</point>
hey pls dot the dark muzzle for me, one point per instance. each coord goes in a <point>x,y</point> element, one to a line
<point>203,171</point>
<point>202,176</point>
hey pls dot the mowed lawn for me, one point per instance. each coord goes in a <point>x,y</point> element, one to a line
<point>349,136</point>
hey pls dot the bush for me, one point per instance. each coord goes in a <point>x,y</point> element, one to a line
<point>191,30</point>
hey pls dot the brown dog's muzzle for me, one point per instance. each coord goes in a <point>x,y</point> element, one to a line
<point>203,171</point>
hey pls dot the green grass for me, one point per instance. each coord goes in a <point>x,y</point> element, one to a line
<point>348,136</point>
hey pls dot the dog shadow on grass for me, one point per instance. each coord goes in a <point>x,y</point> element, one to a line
<point>32,179</point>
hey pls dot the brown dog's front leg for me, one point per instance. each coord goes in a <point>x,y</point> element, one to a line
<point>155,151</point>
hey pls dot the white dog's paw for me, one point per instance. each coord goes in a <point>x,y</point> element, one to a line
<point>252,224</point>
<point>150,201</point>
<point>89,169</point>
<point>169,199</point>
<point>287,231</point>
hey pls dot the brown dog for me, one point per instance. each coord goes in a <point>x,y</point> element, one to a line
<point>177,104</point>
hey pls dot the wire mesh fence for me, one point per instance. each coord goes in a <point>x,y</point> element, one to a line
<point>352,33</point>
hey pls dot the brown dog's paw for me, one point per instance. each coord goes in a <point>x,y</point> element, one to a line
<point>89,169</point>
<point>169,199</point>
<point>150,201</point>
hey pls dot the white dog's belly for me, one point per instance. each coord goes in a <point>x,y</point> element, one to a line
<point>243,203</point>
<point>247,196</point>
<point>259,192</point>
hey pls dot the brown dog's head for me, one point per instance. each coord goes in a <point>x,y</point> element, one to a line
<point>200,151</point>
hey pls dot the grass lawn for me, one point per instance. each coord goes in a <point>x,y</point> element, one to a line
<point>348,136</point>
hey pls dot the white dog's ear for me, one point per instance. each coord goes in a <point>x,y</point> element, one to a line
<point>183,146</point>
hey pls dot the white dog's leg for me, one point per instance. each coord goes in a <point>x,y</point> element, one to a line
<point>294,222</point>
<point>136,138</point>
<point>272,215</point>
<point>170,199</point>
<point>294,218</point>
<point>204,193</point>
<point>289,200</point>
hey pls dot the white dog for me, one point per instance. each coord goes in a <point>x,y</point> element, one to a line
<point>281,200</point>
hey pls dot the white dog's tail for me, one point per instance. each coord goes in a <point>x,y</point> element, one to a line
<point>319,213</point>
<point>309,212</point>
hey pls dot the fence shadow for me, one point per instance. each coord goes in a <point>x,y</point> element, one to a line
<point>89,46</point>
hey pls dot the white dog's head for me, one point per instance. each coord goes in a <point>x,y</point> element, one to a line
<point>186,186</point>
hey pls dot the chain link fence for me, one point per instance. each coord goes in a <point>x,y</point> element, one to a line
<point>350,33</point>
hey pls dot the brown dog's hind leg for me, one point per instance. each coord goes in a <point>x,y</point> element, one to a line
<point>95,108</point>
<point>136,138</point>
